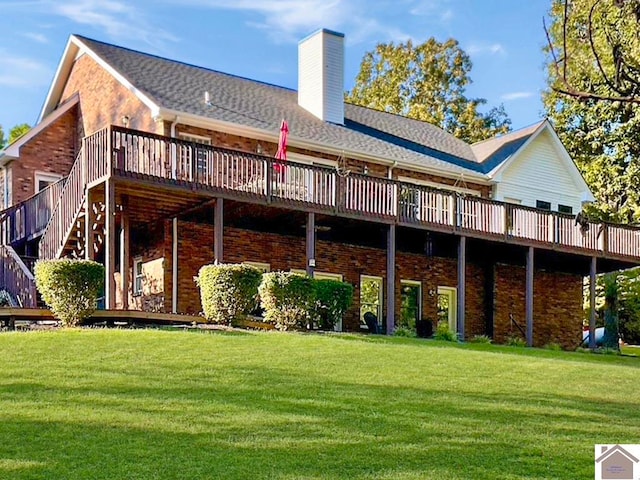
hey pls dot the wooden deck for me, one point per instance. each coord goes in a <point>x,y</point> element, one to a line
<point>150,167</point>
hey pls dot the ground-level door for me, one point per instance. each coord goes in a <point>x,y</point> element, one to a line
<point>447,307</point>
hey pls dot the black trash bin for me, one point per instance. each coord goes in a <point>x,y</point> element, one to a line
<point>424,328</point>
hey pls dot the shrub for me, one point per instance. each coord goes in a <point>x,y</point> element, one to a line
<point>516,342</point>
<point>5,298</point>
<point>228,292</point>
<point>480,339</point>
<point>556,347</point>
<point>443,332</point>
<point>404,331</point>
<point>333,299</point>
<point>288,299</point>
<point>70,288</point>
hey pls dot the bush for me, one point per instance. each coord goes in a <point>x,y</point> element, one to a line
<point>70,288</point>
<point>228,292</point>
<point>443,332</point>
<point>516,342</point>
<point>480,339</point>
<point>288,299</point>
<point>404,331</point>
<point>5,298</point>
<point>333,299</point>
<point>556,347</point>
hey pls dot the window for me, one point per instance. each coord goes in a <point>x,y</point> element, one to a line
<point>327,276</point>
<point>263,267</point>
<point>515,201</point>
<point>447,307</point>
<point>202,155</point>
<point>542,205</point>
<point>410,298</point>
<point>565,209</point>
<point>138,276</point>
<point>43,180</point>
<point>371,298</point>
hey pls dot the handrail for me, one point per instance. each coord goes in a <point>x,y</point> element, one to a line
<point>16,278</point>
<point>66,211</point>
<point>28,218</point>
<point>125,151</point>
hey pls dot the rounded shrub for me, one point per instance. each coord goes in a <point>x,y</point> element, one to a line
<point>333,299</point>
<point>228,292</point>
<point>70,288</point>
<point>288,299</point>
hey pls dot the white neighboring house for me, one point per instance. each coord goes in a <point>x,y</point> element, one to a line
<point>532,168</point>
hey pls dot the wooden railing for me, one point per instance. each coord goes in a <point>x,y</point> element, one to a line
<point>66,210</point>
<point>29,218</point>
<point>245,174</point>
<point>16,278</point>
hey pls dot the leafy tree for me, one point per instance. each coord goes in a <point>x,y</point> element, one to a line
<point>2,139</point>
<point>18,131</point>
<point>426,82</point>
<point>601,136</point>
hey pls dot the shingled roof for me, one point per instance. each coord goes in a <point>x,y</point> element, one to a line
<point>180,87</point>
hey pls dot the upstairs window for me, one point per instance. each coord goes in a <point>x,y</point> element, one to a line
<point>542,205</point>
<point>565,209</point>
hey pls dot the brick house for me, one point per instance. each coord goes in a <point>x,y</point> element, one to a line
<point>156,167</point>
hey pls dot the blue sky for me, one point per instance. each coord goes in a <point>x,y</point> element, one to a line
<point>258,39</point>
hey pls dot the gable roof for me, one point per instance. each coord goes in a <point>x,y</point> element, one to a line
<point>612,450</point>
<point>171,88</point>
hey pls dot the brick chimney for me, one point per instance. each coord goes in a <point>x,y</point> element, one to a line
<point>321,75</point>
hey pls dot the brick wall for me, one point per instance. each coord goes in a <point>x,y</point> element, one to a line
<point>51,151</point>
<point>557,306</point>
<point>104,100</point>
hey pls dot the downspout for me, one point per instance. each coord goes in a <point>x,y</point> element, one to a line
<point>391,167</point>
<point>174,230</point>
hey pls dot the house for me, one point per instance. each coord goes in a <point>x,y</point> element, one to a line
<point>616,463</point>
<point>155,168</point>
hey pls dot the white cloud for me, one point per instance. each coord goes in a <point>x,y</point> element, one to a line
<point>22,71</point>
<point>482,48</point>
<point>432,8</point>
<point>36,37</point>
<point>516,95</point>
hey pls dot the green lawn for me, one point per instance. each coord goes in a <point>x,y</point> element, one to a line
<point>100,404</point>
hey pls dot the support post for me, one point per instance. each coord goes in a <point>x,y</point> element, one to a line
<point>110,244</point>
<point>218,230</point>
<point>124,257</point>
<point>89,252</point>
<point>529,297</point>
<point>462,285</point>
<point>311,243</point>
<point>592,303</point>
<point>174,266</point>
<point>391,279</point>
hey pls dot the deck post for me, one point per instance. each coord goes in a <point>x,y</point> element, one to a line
<point>462,285</point>
<point>174,266</point>
<point>391,279</point>
<point>89,252</point>
<point>110,244</point>
<point>592,303</point>
<point>124,258</point>
<point>529,297</point>
<point>311,243</point>
<point>218,229</point>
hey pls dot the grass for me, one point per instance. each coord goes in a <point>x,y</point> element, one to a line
<point>109,404</point>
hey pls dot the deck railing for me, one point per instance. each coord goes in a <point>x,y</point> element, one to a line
<point>29,218</point>
<point>66,210</point>
<point>16,278</point>
<point>291,183</point>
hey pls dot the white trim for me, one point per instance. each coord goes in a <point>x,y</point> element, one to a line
<point>45,177</point>
<point>452,314</point>
<point>440,186</point>
<point>137,261</point>
<point>310,160</point>
<point>496,173</point>
<point>12,152</point>
<point>380,282</point>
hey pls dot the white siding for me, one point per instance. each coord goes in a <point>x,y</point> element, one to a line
<point>321,75</point>
<point>539,173</point>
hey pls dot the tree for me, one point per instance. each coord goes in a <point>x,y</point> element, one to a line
<point>2,139</point>
<point>426,82</point>
<point>18,131</point>
<point>601,136</point>
<point>598,40</point>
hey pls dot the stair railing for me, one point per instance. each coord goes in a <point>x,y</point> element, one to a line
<point>16,278</point>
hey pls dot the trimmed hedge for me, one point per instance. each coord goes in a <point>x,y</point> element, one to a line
<point>228,292</point>
<point>288,299</point>
<point>70,288</point>
<point>333,299</point>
